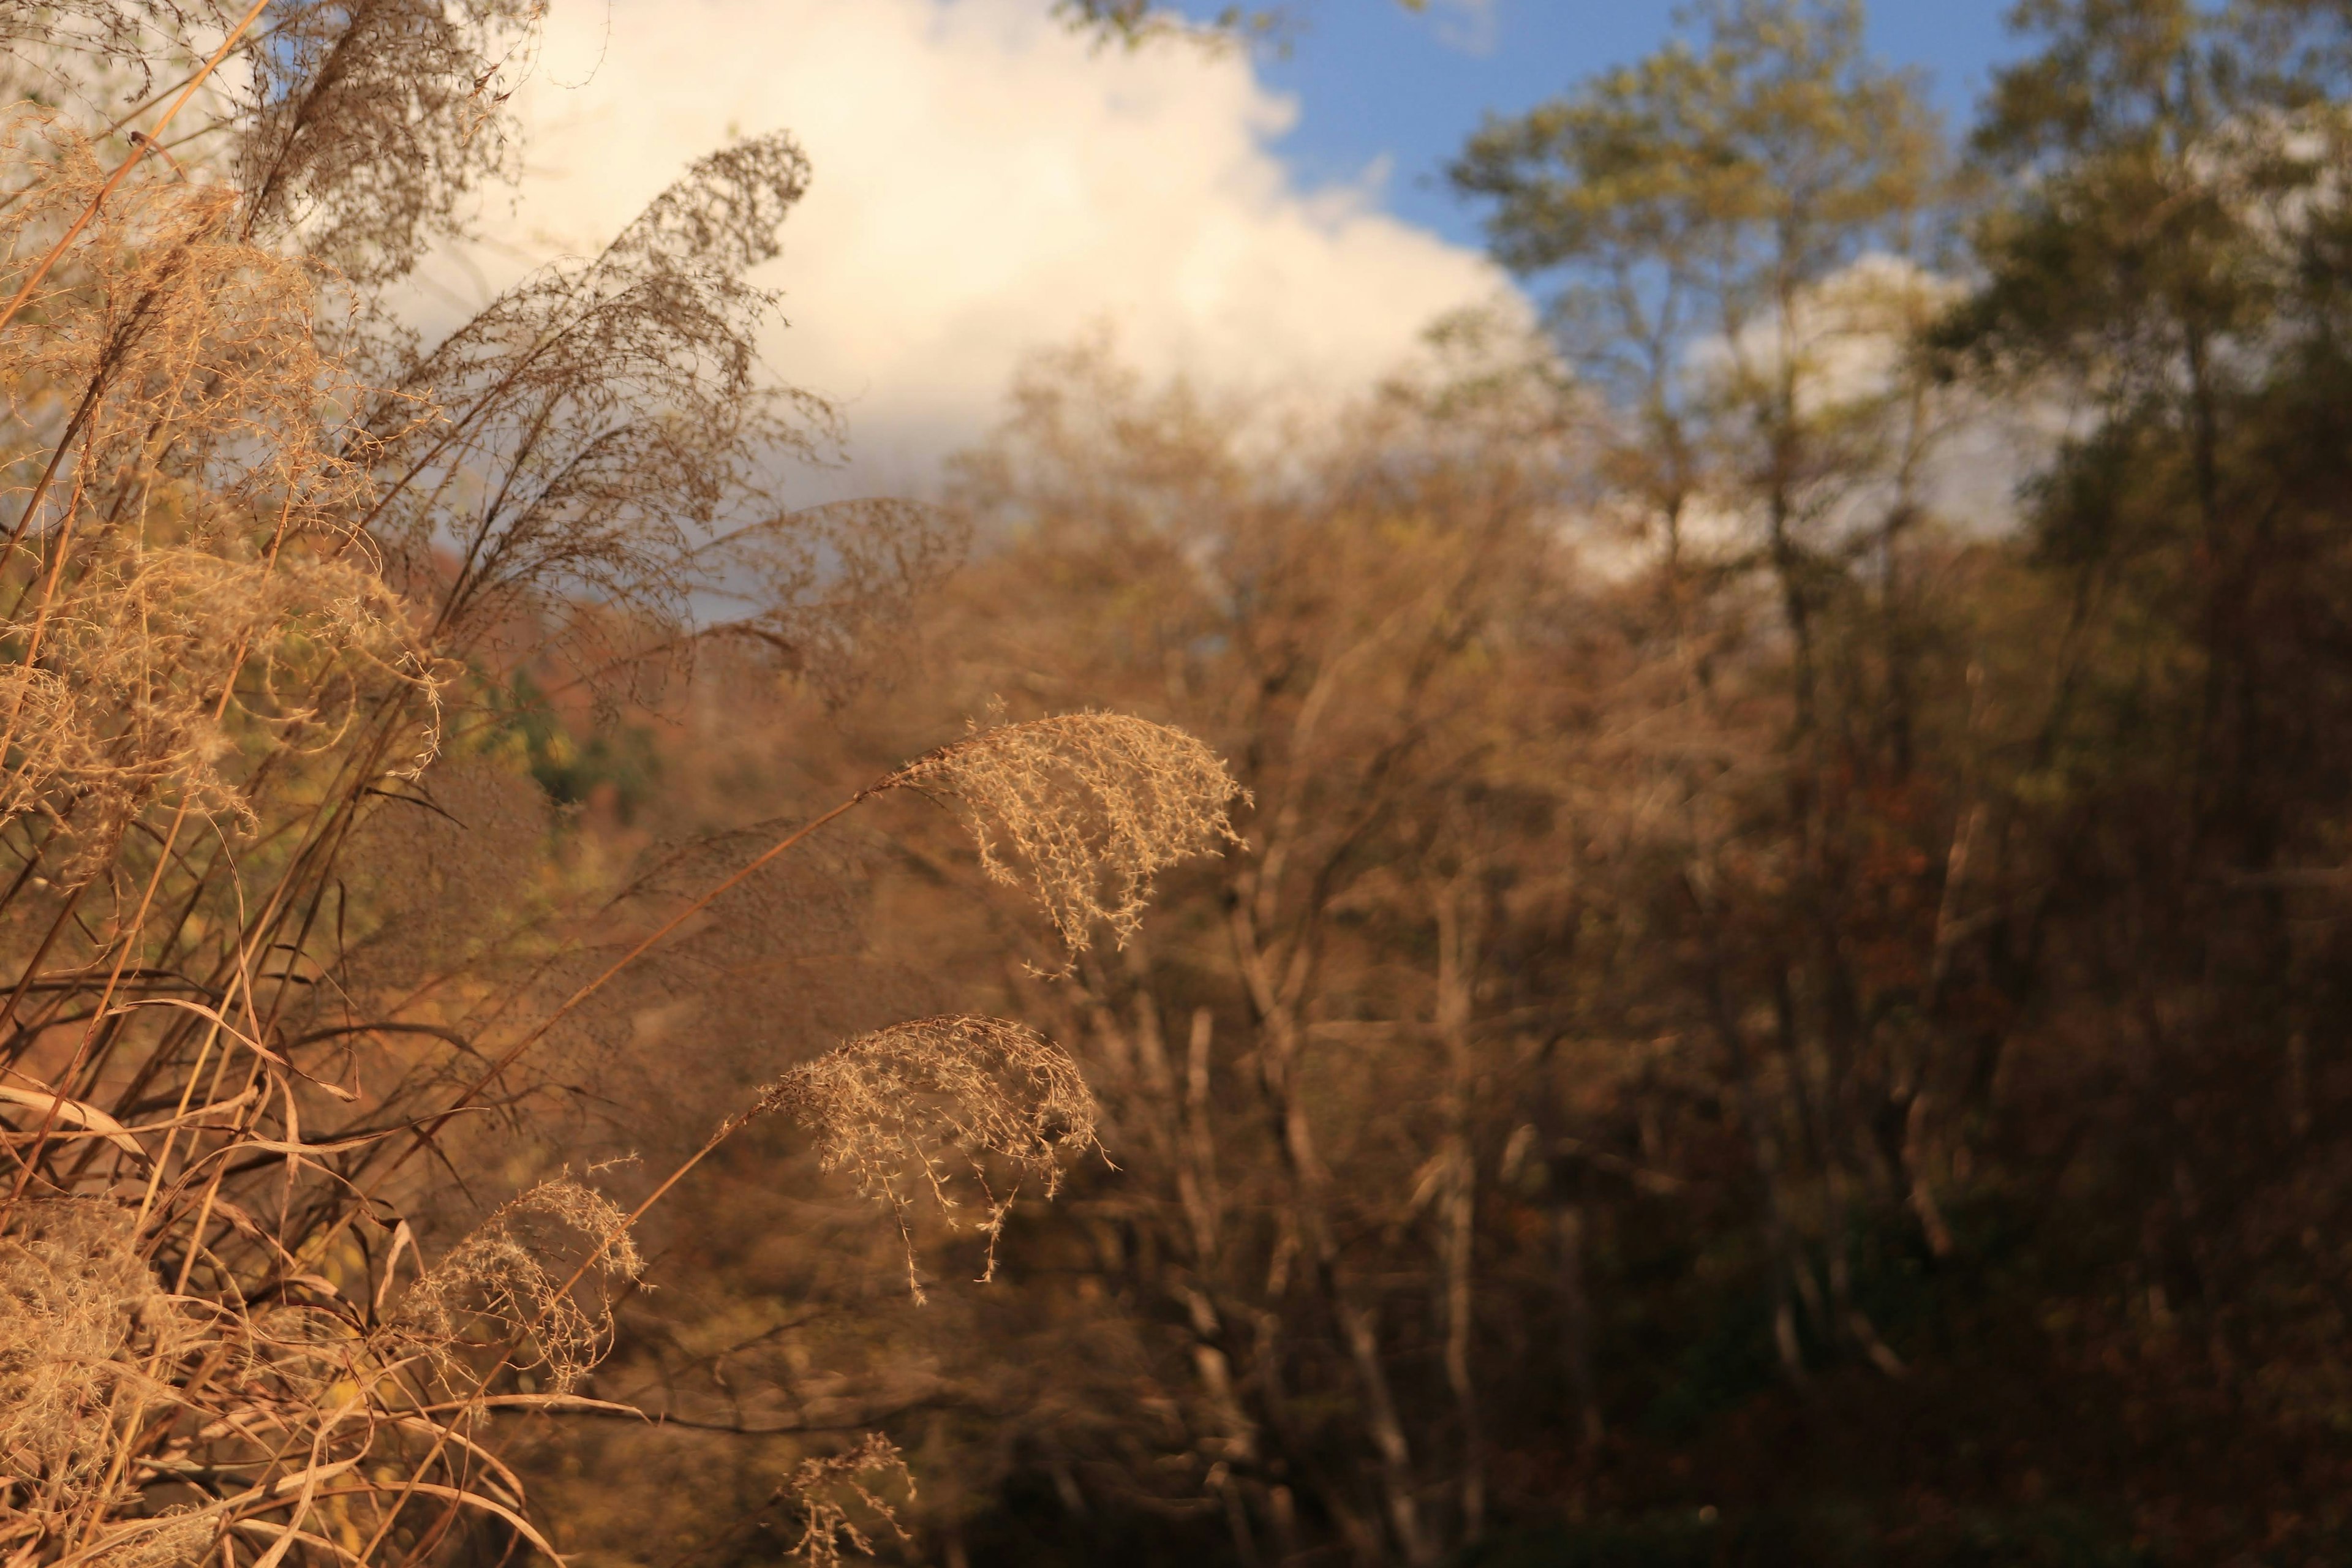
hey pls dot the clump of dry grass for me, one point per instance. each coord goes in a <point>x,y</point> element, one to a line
<point>182,589</point>
<point>1086,807</point>
<point>507,1282</point>
<point>226,612</point>
<point>903,1108</point>
<point>831,1492</point>
<point>77,1305</point>
<point>174,369</point>
<point>156,661</point>
<point>171,1540</point>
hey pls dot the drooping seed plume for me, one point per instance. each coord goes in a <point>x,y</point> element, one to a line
<point>506,1279</point>
<point>1085,809</point>
<point>904,1108</point>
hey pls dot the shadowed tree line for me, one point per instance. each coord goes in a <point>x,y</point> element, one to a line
<point>1783,999</point>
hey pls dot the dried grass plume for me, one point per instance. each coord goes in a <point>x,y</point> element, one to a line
<point>904,1106</point>
<point>508,1278</point>
<point>77,1306</point>
<point>1090,806</point>
<point>832,1492</point>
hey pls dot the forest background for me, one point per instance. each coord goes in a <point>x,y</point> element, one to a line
<point>1748,1014</point>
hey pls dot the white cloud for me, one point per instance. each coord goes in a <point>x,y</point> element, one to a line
<point>1471,26</point>
<point>985,184</point>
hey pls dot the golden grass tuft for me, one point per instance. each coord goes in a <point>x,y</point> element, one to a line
<point>191,592</point>
<point>157,663</point>
<point>1086,807</point>
<point>174,1541</point>
<point>903,1108</point>
<point>75,1303</point>
<point>508,1282</point>
<point>249,551</point>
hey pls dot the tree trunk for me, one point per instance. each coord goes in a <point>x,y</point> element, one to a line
<point>1457,942</point>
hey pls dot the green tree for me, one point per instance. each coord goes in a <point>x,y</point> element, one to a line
<point>1736,231</point>
<point>2165,265</point>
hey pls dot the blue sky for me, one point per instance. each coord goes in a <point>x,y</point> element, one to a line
<point>1374,82</point>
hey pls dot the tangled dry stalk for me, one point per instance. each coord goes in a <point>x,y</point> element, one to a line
<point>260,549</point>
<point>841,1500</point>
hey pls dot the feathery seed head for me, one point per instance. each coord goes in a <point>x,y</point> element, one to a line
<point>508,1275</point>
<point>902,1106</point>
<point>831,1492</point>
<point>76,1300</point>
<point>1089,805</point>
